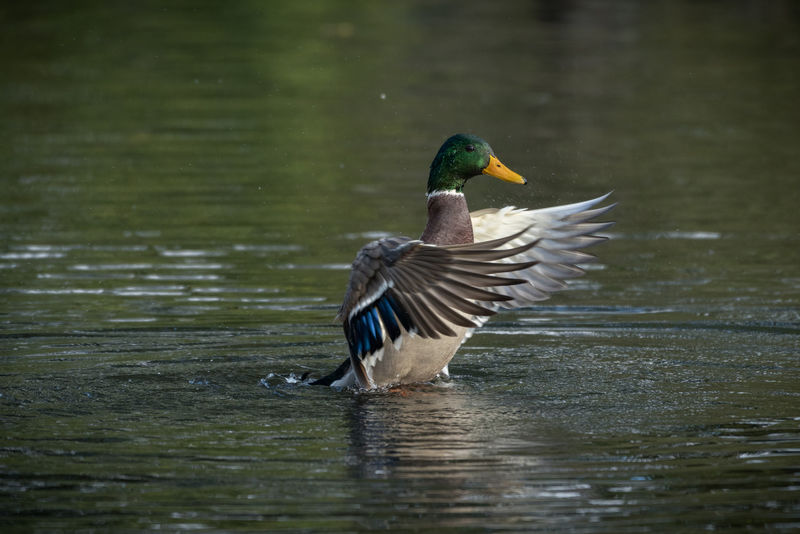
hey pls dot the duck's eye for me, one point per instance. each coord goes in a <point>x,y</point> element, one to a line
<point>470,148</point>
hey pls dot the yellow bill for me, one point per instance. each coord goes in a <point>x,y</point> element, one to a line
<point>498,170</point>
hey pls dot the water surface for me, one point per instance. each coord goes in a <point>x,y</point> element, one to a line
<point>185,186</point>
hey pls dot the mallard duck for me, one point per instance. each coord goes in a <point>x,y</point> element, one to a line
<point>410,303</point>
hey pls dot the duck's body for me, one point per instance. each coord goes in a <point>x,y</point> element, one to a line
<point>410,304</point>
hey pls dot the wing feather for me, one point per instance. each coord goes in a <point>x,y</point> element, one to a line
<point>558,233</point>
<point>400,287</point>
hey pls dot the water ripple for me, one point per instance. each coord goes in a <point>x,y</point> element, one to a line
<point>186,253</point>
<point>31,255</point>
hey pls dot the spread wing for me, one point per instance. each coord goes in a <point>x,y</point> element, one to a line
<point>399,286</point>
<point>557,233</point>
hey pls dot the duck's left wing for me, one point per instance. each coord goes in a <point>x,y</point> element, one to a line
<point>400,286</point>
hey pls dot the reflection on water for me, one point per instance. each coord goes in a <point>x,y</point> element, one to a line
<point>425,431</point>
<point>184,190</point>
<point>446,444</point>
<point>459,454</point>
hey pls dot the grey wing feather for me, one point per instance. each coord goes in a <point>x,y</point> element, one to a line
<point>519,257</point>
<point>424,288</point>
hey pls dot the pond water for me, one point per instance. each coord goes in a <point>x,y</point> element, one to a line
<point>185,185</point>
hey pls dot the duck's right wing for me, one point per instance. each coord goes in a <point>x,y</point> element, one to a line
<point>558,233</point>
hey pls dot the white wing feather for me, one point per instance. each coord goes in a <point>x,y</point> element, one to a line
<point>560,230</point>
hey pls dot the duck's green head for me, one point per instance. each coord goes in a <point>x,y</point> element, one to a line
<point>462,157</point>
